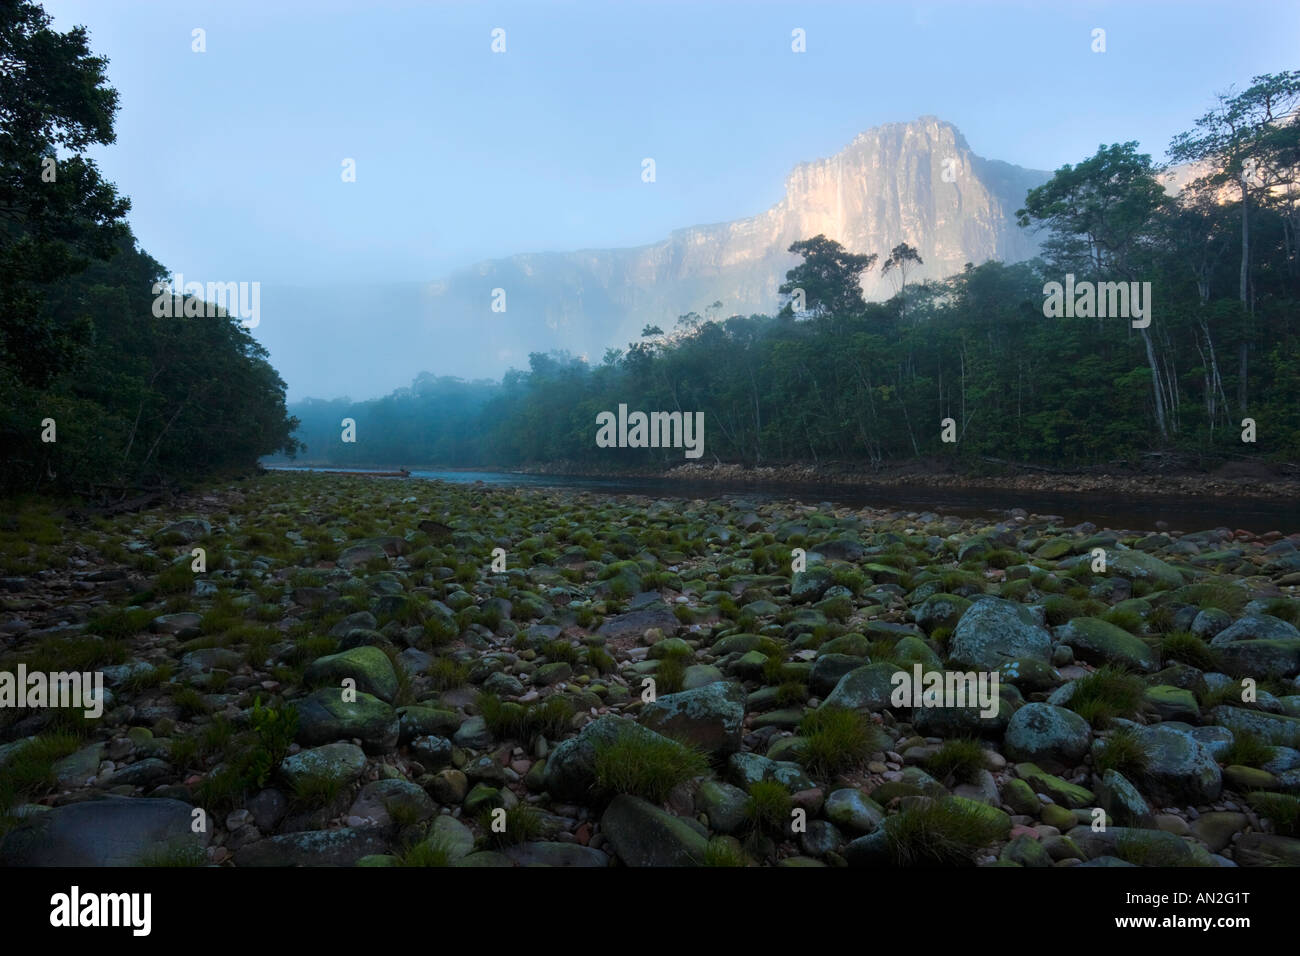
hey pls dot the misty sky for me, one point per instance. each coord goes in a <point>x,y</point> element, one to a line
<point>232,157</point>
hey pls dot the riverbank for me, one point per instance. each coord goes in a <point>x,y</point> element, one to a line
<point>1229,481</point>
<point>1161,477</point>
<point>379,673</point>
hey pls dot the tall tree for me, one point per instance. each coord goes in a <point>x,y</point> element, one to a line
<point>830,277</point>
<point>56,212</point>
<point>1244,137</point>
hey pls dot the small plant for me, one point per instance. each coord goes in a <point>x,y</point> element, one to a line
<point>768,808</point>
<point>1282,809</point>
<point>1187,648</point>
<point>646,767</point>
<point>791,692</point>
<point>522,825</point>
<point>601,659</point>
<point>1125,619</point>
<point>190,703</point>
<point>560,650</point>
<point>1105,694</point>
<point>670,674</point>
<point>957,761</point>
<point>425,853</point>
<point>940,833</point>
<point>1124,752</point>
<point>445,673</point>
<point>314,791</point>
<point>723,852</point>
<point>1247,749</point>
<point>551,717</point>
<point>175,855</point>
<point>505,719</point>
<point>837,739</point>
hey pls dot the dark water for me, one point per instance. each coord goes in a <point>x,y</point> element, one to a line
<point>1117,511</point>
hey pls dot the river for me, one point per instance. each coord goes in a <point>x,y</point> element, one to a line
<point>1119,512</point>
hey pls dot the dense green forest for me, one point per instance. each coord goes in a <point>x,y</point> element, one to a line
<point>98,395</point>
<point>870,383</point>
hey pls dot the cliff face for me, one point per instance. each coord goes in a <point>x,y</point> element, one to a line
<point>916,182</point>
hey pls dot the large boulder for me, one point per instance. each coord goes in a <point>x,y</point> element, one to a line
<point>324,717</point>
<point>995,631</point>
<point>710,717</point>
<point>368,666</point>
<point>644,835</point>
<point>112,831</point>
<point>1053,737</point>
<point>571,767</point>
<point>1100,642</point>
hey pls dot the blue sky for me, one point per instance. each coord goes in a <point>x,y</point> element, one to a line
<point>232,157</point>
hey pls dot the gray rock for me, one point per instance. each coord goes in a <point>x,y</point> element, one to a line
<point>709,717</point>
<point>853,811</point>
<point>1053,737</point>
<point>995,631</point>
<point>112,831</point>
<point>641,834</point>
<point>323,717</point>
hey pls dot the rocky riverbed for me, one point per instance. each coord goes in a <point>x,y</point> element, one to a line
<point>335,670</point>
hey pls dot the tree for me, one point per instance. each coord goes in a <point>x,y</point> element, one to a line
<point>899,257</point>
<point>1245,136</point>
<point>1100,213</point>
<point>830,277</point>
<point>54,219</point>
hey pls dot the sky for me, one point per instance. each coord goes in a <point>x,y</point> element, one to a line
<point>233,157</point>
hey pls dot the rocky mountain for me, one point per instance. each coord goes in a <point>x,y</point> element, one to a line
<point>913,182</point>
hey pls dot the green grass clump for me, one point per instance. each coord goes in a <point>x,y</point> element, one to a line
<point>551,717</point>
<point>670,674</point>
<point>723,852</point>
<point>1128,620</point>
<point>837,739</point>
<point>522,824</point>
<point>1187,648</point>
<point>250,757</point>
<point>1283,809</point>
<point>1123,751</point>
<point>505,719</point>
<point>601,659</point>
<point>940,833</point>
<point>1060,609</point>
<point>560,650</point>
<point>30,771</point>
<point>645,768</point>
<point>425,853</point>
<point>190,703</point>
<point>957,761</point>
<point>1247,749</point>
<point>790,693</point>
<point>1285,609</point>
<point>175,579</point>
<point>120,623</point>
<point>768,808</point>
<point>1003,558</point>
<point>175,855</point>
<point>314,791</point>
<point>1105,694</point>
<point>445,673</point>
